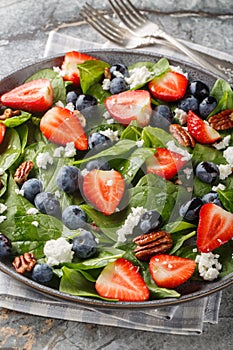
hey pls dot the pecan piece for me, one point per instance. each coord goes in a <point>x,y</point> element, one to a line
<point>152,243</point>
<point>107,74</point>
<point>8,113</point>
<point>181,135</point>
<point>222,120</point>
<point>24,262</point>
<point>22,172</point>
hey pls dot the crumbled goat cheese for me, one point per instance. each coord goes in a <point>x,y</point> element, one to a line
<point>106,84</point>
<point>129,224</point>
<point>60,104</point>
<point>19,192</point>
<point>2,218</point>
<point>58,152</point>
<point>178,69</point>
<point>223,144</point>
<point>35,223</point>
<point>70,106</point>
<point>228,155</point>
<point>138,76</point>
<point>188,172</point>
<point>140,143</point>
<point>57,194</point>
<point>225,170</point>
<point>84,172</point>
<point>208,266</point>
<point>58,70</point>
<point>70,150</point>
<point>43,159</point>
<point>107,115</point>
<point>58,251</point>
<point>181,116</point>
<point>218,187</point>
<point>32,211</point>
<point>3,208</point>
<point>172,147</point>
<point>112,135</point>
<point>110,121</point>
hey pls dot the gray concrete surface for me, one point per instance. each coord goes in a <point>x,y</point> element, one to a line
<point>24,28</point>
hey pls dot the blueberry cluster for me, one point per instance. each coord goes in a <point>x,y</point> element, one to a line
<point>80,101</point>
<point>118,74</point>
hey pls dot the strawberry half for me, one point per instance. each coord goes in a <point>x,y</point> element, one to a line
<point>69,69</point>
<point>130,105</point>
<point>2,132</point>
<point>35,96</point>
<point>200,130</point>
<point>215,227</point>
<point>170,271</point>
<point>61,126</point>
<point>121,280</point>
<point>165,163</point>
<point>170,86</point>
<point>104,189</point>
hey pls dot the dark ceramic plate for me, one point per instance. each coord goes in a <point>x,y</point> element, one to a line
<point>191,290</point>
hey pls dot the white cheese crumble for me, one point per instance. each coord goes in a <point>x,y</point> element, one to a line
<point>58,152</point>
<point>218,187</point>
<point>228,155</point>
<point>19,192</point>
<point>225,170</point>
<point>32,211</point>
<point>139,143</point>
<point>110,121</point>
<point>178,69</point>
<point>58,251</point>
<point>59,104</point>
<point>223,144</point>
<point>129,224</point>
<point>188,172</point>
<point>35,223</point>
<point>43,159</point>
<point>138,76</point>
<point>106,84</point>
<point>112,135</point>
<point>58,70</point>
<point>70,150</point>
<point>3,208</point>
<point>181,116</point>
<point>171,146</point>
<point>70,106</point>
<point>208,266</point>
<point>117,74</point>
<point>107,115</point>
<point>2,218</point>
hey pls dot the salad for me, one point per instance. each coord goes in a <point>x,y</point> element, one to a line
<point>116,181</point>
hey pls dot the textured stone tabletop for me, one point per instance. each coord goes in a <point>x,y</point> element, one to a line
<point>24,29</point>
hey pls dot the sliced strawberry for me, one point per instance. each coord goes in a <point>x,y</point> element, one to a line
<point>69,69</point>
<point>165,163</point>
<point>61,126</point>
<point>35,96</point>
<point>2,132</point>
<point>200,130</point>
<point>130,105</point>
<point>170,86</point>
<point>121,280</point>
<point>215,227</point>
<point>170,271</point>
<point>104,189</point>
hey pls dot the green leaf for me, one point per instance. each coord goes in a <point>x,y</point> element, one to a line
<point>17,120</point>
<point>225,258</point>
<point>155,137</point>
<point>179,239</point>
<point>98,92</point>
<point>224,95</point>
<point>10,149</point>
<point>132,132</point>
<point>91,72</point>
<point>226,198</point>
<point>207,153</point>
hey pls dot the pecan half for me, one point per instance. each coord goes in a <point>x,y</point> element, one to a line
<point>152,243</point>
<point>22,172</point>
<point>9,113</point>
<point>24,262</point>
<point>222,120</point>
<point>181,135</point>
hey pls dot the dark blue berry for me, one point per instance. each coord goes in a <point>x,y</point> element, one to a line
<point>212,197</point>
<point>47,203</point>
<point>207,106</point>
<point>207,172</point>
<point>71,97</point>
<point>189,103</point>
<point>85,101</point>
<point>5,246</point>
<point>161,117</point>
<point>74,217</point>
<point>42,273</point>
<point>98,139</point>
<point>84,245</point>
<point>198,89</point>
<point>190,210</point>
<point>118,85</point>
<point>99,163</point>
<point>68,178</point>
<point>148,222</point>
<point>31,188</point>
<point>119,68</point>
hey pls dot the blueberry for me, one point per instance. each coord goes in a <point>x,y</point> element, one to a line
<point>118,85</point>
<point>189,103</point>
<point>84,245</point>
<point>119,68</point>
<point>207,106</point>
<point>85,101</point>
<point>97,139</point>
<point>207,172</point>
<point>212,197</point>
<point>99,163</point>
<point>148,222</point>
<point>74,217</point>
<point>31,188</point>
<point>190,210</point>
<point>5,246</point>
<point>198,89</point>
<point>161,117</point>
<point>46,203</point>
<point>68,178</point>
<point>42,273</point>
<point>71,97</point>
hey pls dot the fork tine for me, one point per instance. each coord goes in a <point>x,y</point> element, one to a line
<point>127,13</point>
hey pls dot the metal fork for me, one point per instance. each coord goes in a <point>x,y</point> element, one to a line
<point>141,26</point>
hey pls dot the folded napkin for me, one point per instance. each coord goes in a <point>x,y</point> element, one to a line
<point>187,318</point>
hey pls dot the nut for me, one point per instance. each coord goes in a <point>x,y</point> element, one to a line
<point>222,120</point>
<point>8,113</point>
<point>107,74</point>
<point>181,135</point>
<point>22,172</point>
<point>24,262</point>
<point>152,243</point>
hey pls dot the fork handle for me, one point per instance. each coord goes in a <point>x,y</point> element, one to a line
<point>195,57</point>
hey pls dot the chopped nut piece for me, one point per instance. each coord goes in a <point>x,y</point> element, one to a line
<point>8,113</point>
<point>24,262</point>
<point>22,172</point>
<point>181,135</point>
<point>107,73</point>
<point>222,120</point>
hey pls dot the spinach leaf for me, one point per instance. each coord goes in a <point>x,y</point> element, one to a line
<point>179,226</point>
<point>225,258</point>
<point>10,149</point>
<point>179,239</point>
<point>17,120</point>
<point>132,132</point>
<point>98,92</point>
<point>224,95</point>
<point>226,198</point>
<point>207,153</point>
<point>155,137</point>
<point>23,135</point>
<point>200,188</point>
<point>91,72</point>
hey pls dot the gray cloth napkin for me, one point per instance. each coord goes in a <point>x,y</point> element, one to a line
<point>187,318</point>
